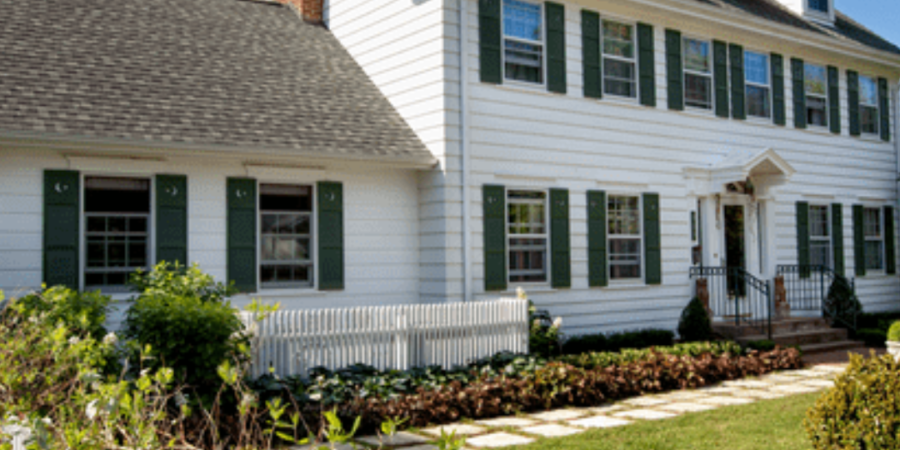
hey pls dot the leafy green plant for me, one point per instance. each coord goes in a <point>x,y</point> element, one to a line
<point>544,335</point>
<point>862,410</point>
<point>873,337</point>
<point>450,441</point>
<point>617,341</point>
<point>893,334</point>
<point>764,345</point>
<point>81,312</point>
<point>841,302</point>
<point>626,356</point>
<point>695,324</point>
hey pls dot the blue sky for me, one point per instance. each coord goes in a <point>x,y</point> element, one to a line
<point>880,16</point>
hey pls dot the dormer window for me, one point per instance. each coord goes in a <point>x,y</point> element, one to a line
<point>819,6</point>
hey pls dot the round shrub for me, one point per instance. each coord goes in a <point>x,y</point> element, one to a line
<point>862,411</point>
<point>873,337</point>
<point>764,345</point>
<point>695,324</point>
<point>893,334</point>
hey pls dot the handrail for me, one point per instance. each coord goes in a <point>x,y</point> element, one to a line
<point>730,287</point>
<point>819,287</point>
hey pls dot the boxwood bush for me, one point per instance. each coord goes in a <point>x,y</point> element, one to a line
<point>618,341</point>
<point>873,337</point>
<point>695,324</point>
<point>893,334</point>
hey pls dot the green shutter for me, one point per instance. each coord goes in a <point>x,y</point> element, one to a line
<point>798,74</point>
<point>738,96</point>
<point>652,240</point>
<point>837,238</point>
<point>241,260</point>
<point>720,77</point>
<point>556,47</point>
<point>674,72</point>
<point>590,44</point>
<point>494,204</point>
<point>330,202</point>
<point>834,99</point>
<point>884,103</point>
<point>859,241</point>
<point>693,225</point>
<point>803,237</point>
<point>646,64</point>
<point>171,219</point>
<point>853,102</point>
<point>490,41</point>
<point>598,272</point>
<point>559,238</point>
<point>62,209</point>
<point>778,103</point>
<point>890,256</point>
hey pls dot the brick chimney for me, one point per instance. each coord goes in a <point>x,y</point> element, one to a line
<point>310,10</point>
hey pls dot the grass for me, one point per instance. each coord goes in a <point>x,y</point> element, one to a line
<point>767,425</point>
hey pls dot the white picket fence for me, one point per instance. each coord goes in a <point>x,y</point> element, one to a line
<point>387,337</point>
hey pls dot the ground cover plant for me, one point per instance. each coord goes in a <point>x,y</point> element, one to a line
<point>617,341</point>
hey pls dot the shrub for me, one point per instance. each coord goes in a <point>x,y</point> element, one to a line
<point>182,315</point>
<point>873,337</point>
<point>626,356</point>
<point>585,343</point>
<point>841,302</point>
<point>544,335</point>
<point>894,332</point>
<point>80,312</point>
<point>764,345</point>
<point>862,411</point>
<point>617,341</point>
<point>695,324</point>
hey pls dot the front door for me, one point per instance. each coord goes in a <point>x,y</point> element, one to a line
<point>735,250</point>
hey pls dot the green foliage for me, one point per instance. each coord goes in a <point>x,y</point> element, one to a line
<point>862,411</point>
<point>841,303</point>
<point>764,345</point>
<point>544,336</point>
<point>182,316</point>
<point>881,321</point>
<point>873,337</point>
<point>894,332</point>
<point>83,313</point>
<point>450,441</point>
<point>695,324</point>
<point>617,341</point>
<point>626,356</point>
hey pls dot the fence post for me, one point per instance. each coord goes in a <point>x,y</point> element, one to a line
<point>770,291</point>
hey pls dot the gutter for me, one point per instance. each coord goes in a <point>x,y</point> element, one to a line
<point>464,148</point>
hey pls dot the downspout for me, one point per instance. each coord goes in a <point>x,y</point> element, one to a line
<point>464,147</point>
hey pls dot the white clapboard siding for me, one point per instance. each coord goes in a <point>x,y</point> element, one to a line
<point>387,337</point>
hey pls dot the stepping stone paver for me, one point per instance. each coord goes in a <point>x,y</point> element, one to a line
<point>552,430</point>
<point>752,384</point>
<point>644,401</point>
<point>461,429</point>
<point>829,369</point>
<point>606,409</point>
<point>401,438</point>
<point>803,373</point>
<point>686,407</point>
<point>761,394</point>
<point>498,440</point>
<point>684,395</point>
<point>645,414</point>
<point>507,422</point>
<point>419,447</point>
<point>721,390</point>
<point>725,401</point>
<point>600,422</point>
<point>819,383</point>
<point>779,379</point>
<point>559,415</point>
<point>796,389</point>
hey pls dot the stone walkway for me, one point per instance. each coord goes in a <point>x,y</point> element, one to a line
<point>527,428</point>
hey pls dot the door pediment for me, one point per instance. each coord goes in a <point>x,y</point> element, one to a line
<point>765,168</point>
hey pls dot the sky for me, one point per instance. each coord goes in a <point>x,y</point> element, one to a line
<point>880,16</point>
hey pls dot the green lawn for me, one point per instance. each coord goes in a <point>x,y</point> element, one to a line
<point>767,425</point>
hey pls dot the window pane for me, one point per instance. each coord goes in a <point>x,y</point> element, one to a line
<point>283,249</point>
<point>527,260</point>
<point>137,253</point>
<point>117,224</point>
<point>524,62</point>
<point>698,91</point>
<point>278,197</point>
<point>816,79</point>
<point>624,258</point>
<point>818,221</point>
<point>816,112</point>
<point>96,252</point>
<point>301,249</point>
<point>137,225</point>
<point>619,78</point>
<point>868,119</point>
<point>873,255</point>
<point>819,253</point>
<point>526,212</point>
<point>269,223</point>
<point>96,224</point>
<point>756,68</point>
<point>696,55</point>
<point>758,102</point>
<point>120,195</point>
<point>618,39</point>
<point>522,20</point>
<point>868,91</point>
<point>872,222</point>
<point>623,216</point>
<point>819,5</point>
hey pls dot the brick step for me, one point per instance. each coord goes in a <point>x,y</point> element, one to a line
<point>795,325</point>
<point>815,349</point>
<point>819,336</point>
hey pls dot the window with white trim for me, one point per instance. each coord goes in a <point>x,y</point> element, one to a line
<point>819,236</point>
<point>625,242</point>
<point>117,230</point>
<point>758,85</point>
<point>816,85</point>
<point>872,227</point>
<point>286,236</point>
<point>698,84</point>
<point>527,236</point>
<point>868,105</point>
<point>819,5</point>
<point>523,41</point>
<point>619,59</point>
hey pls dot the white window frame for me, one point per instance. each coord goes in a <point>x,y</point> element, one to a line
<point>824,97</point>
<point>314,237</point>
<point>877,107</point>
<point>826,239</point>
<point>711,74</point>
<point>545,236</point>
<point>633,60</point>
<point>768,87</point>
<point>810,8</point>
<point>82,224</point>
<point>879,238</point>
<point>640,237</point>
<point>542,43</point>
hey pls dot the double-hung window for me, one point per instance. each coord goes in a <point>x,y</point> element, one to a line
<point>619,59</point>
<point>528,236</point>
<point>872,226</point>
<point>117,230</point>
<point>816,84</point>
<point>523,41</point>
<point>698,91</point>
<point>819,236</point>
<point>624,227</point>
<point>758,86</point>
<point>286,238</point>
<point>868,105</point>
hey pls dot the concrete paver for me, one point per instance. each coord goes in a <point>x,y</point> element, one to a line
<point>552,430</point>
<point>498,440</point>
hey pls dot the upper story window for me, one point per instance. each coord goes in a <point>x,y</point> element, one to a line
<point>624,217</point>
<point>868,105</point>
<point>528,236</point>
<point>758,85</point>
<point>819,5</point>
<point>819,236</point>
<point>816,83</point>
<point>117,230</point>
<point>523,41</point>
<point>872,226</point>
<point>286,258</point>
<point>698,91</point>
<point>619,59</point>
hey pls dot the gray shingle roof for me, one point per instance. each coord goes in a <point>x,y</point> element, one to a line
<point>211,72</point>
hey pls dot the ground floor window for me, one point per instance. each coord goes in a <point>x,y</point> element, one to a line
<point>624,225</point>
<point>819,236</point>
<point>286,238</point>
<point>874,239</point>
<point>528,235</point>
<point>117,230</point>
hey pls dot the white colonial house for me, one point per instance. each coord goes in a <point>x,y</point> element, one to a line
<point>599,153</point>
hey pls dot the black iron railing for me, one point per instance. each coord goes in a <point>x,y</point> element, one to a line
<point>819,288</point>
<point>737,296</point>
